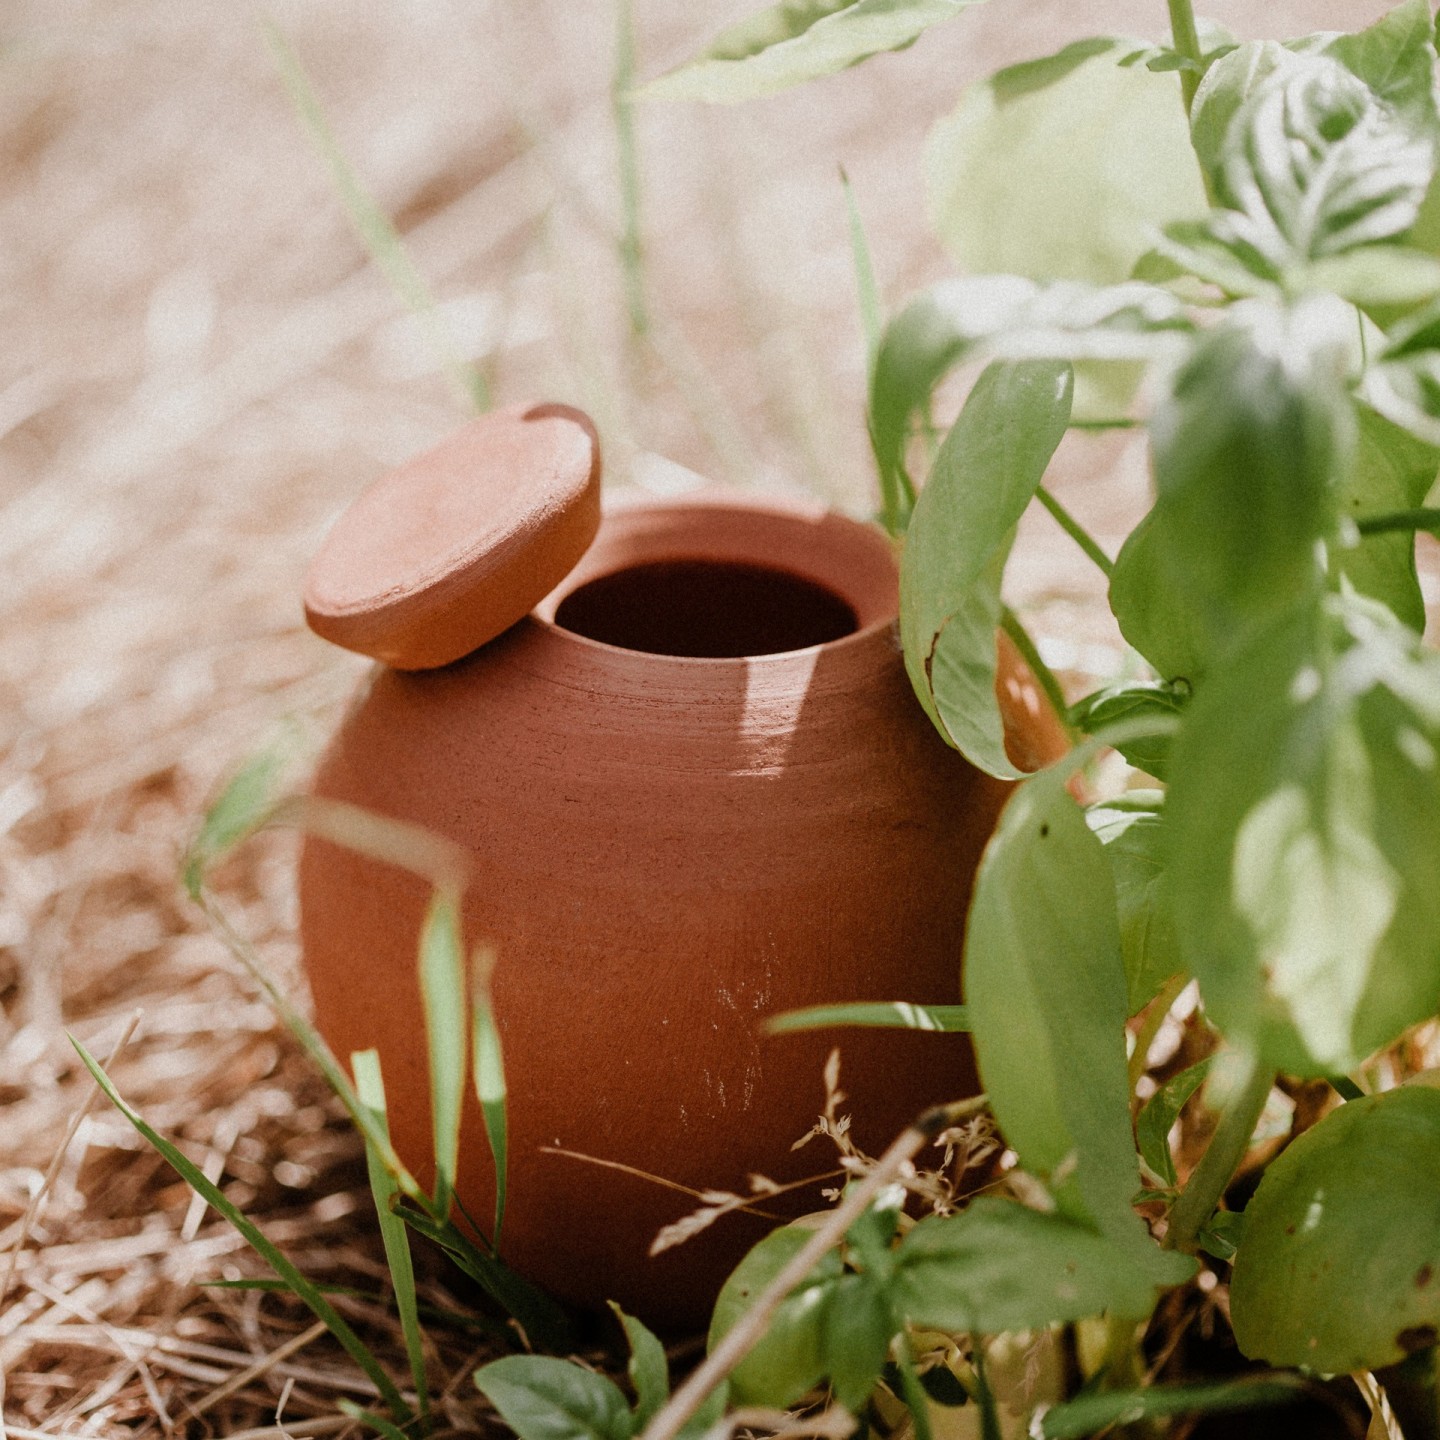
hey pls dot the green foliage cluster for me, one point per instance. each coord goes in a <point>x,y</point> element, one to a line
<point>1237,247</point>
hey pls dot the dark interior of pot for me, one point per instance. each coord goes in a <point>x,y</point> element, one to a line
<point>706,609</point>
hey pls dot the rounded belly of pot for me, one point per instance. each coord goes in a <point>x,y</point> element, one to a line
<point>663,856</point>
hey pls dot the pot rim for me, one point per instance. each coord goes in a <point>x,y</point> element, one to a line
<point>871,590</point>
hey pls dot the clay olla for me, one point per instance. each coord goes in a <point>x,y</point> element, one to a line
<point>697,790</point>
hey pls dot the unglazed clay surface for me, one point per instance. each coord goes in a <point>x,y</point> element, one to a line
<point>666,850</point>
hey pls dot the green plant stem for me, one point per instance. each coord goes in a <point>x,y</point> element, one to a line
<point>1422,519</point>
<point>914,1391</point>
<point>1010,623</point>
<point>631,252</point>
<point>1076,531</point>
<point>1186,40</point>
<point>1222,1157</point>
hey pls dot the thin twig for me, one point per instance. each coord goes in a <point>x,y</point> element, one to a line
<point>264,1364</point>
<point>33,1208</point>
<point>743,1336</point>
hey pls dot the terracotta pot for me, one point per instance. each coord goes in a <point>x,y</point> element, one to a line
<point>668,848</point>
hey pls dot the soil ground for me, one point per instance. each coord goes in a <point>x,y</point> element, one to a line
<point>200,369</point>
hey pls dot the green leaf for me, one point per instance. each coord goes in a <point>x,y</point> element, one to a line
<point>857,1329</point>
<point>962,530</point>
<point>1248,450</point>
<point>1099,1413</point>
<point>442,988</point>
<point>213,1196</point>
<point>798,40</point>
<point>1104,152</point>
<point>1160,1112</point>
<point>1134,700</point>
<point>1380,279</point>
<point>1392,471</point>
<point>1339,1266</point>
<point>1220,1237</point>
<point>490,1089</point>
<point>1227,85</point>
<point>1189,248</point>
<point>540,1398</point>
<point>888,1015</point>
<point>648,1369</point>
<point>1007,313</point>
<point>1396,58</point>
<point>1304,884</point>
<point>1047,998</point>
<point>1133,832</point>
<point>790,1358</point>
<point>370,1086</point>
<point>997,1267</point>
<point>1314,165</point>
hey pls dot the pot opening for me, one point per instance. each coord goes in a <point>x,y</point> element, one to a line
<point>706,609</point>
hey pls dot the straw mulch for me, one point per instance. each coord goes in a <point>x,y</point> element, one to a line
<point>200,368</point>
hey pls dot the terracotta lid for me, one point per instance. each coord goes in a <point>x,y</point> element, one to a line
<point>451,549</point>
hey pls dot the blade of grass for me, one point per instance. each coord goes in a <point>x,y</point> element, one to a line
<point>314,1045</point>
<point>275,1258</point>
<point>543,1322</point>
<point>442,990</point>
<point>865,288</point>
<point>370,1086</point>
<point>278,1287</point>
<point>888,1014</point>
<point>489,1066</point>
<point>378,1423</point>
<point>632,255</point>
<point>372,225</point>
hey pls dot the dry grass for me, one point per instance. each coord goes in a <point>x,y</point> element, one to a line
<point>199,370</point>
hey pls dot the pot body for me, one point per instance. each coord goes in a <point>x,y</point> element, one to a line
<point>666,850</point>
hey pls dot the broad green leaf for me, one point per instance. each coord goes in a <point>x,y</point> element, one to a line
<point>963,526</point>
<point>649,1370</point>
<point>995,314</point>
<point>213,1196</point>
<point>1220,1235</point>
<point>998,1267</point>
<point>1395,57</point>
<point>541,1398</point>
<point>1392,471</point>
<point>1227,85</point>
<point>888,1015</point>
<point>1046,991</point>
<point>858,1327</point>
<point>790,1359</point>
<point>1158,1116</point>
<point>1314,165</point>
<point>1248,449</point>
<point>1134,700</point>
<point>798,40</point>
<point>1339,1266</point>
<point>370,1086</point>
<point>442,989</point>
<point>1379,279</point>
<point>1104,152</point>
<point>490,1090</point>
<point>1304,884</point>
<point>1189,248</point>
<point>1099,1413</point>
<point>1133,832</point>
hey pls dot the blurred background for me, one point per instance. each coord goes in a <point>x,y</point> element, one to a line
<point>201,366</point>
